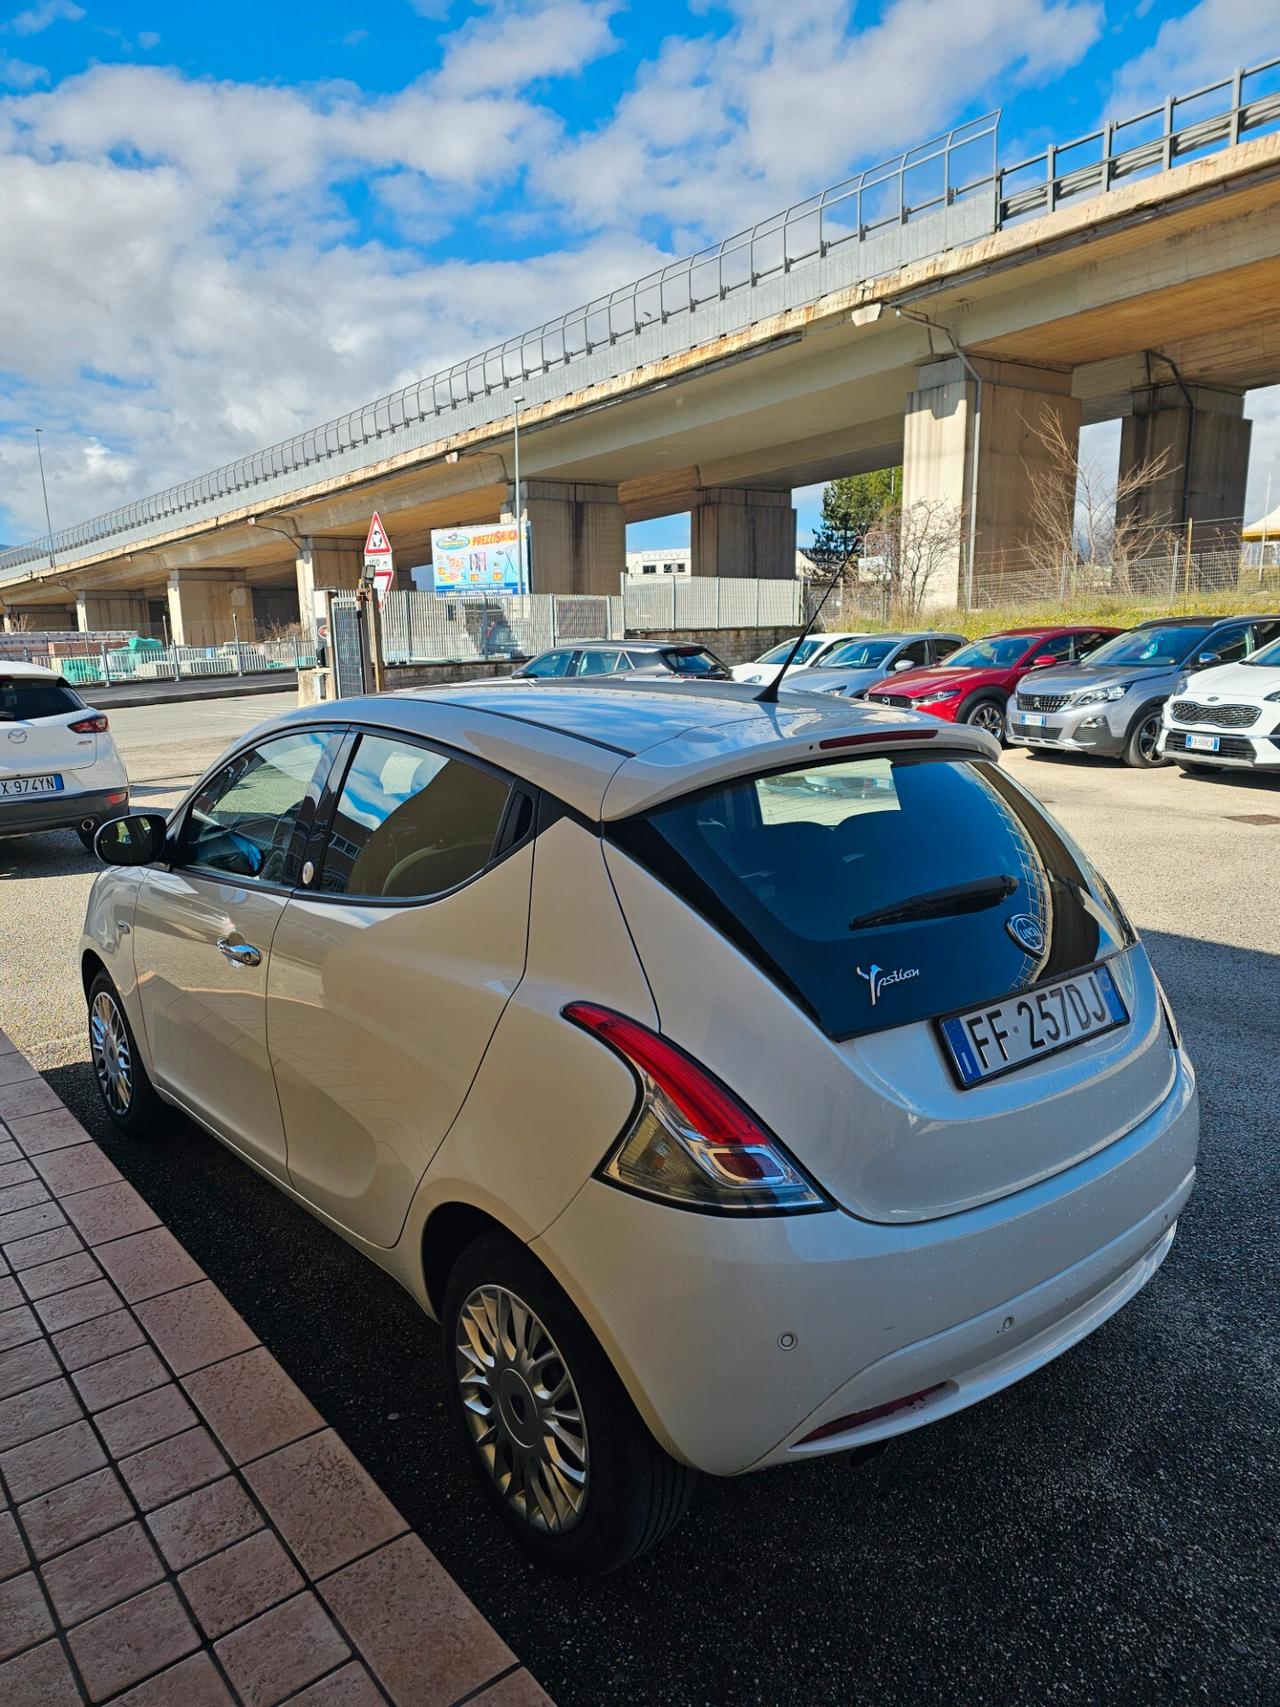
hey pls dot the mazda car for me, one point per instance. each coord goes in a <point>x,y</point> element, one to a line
<point>974,685</point>
<point>723,1112</point>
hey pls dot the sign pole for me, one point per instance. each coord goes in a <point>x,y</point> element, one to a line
<point>519,503</point>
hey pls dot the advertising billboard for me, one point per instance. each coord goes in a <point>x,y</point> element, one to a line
<point>484,559</point>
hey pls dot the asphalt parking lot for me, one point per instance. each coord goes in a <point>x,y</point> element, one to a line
<point>1102,1533</point>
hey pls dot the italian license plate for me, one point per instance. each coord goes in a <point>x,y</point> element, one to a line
<point>30,785</point>
<point>1202,743</point>
<point>1034,719</point>
<point>1005,1035</point>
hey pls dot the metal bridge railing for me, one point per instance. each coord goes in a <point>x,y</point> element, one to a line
<point>959,166</point>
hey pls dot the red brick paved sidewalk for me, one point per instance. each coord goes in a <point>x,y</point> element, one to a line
<point>178,1524</point>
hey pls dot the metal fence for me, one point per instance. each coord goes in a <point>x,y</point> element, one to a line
<point>712,602</point>
<point>902,210</point>
<point>421,628</point>
<point>110,665</point>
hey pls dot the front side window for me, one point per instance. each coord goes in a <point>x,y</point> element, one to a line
<point>780,654</point>
<point>1063,647</point>
<point>916,653</point>
<point>831,875</point>
<point>25,698</point>
<point>1231,645</point>
<point>243,819</point>
<point>410,822</point>
<point>944,645</point>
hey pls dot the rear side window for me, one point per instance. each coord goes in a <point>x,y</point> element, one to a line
<point>24,698</point>
<point>410,822</point>
<point>692,663</point>
<point>910,865</point>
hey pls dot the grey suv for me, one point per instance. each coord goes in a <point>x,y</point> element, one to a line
<point>1111,704</point>
<point>634,657</point>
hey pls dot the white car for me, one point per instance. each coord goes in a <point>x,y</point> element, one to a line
<point>815,649</point>
<point>856,665</point>
<point>1227,717</point>
<point>723,1112</point>
<point>59,768</point>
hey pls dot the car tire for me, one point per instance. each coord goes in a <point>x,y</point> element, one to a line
<point>580,1510</point>
<point>1140,752</point>
<point>984,711</point>
<point>127,1093</point>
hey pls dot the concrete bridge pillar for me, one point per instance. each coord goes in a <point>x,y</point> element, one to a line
<point>948,427</point>
<point>205,607</point>
<point>577,535</point>
<point>97,611</point>
<point>741,531</point>
<point>1205,439</point>
<point>325,565</point>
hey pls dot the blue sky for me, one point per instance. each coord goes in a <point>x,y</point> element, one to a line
<point>223,222</point>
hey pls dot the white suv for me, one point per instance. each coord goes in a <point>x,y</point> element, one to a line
<point>59,768</point>
<point>736,1083</point>
<point>1227,717</point>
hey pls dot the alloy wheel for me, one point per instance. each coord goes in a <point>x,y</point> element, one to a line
<point>112,1056</point>
<point>989,717</point>
<point>522,1408</point>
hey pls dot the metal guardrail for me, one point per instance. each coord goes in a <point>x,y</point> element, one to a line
<point>959,166</point>
<point>108,665</point>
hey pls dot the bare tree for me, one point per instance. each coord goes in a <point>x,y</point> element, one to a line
<point>908,547</point>
<point>1084,517</point>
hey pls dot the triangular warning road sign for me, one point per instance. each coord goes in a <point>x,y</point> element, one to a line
<point>377,544</point>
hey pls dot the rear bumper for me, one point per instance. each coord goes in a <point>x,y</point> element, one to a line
<point>65,811</point>
<point>736,1339</point>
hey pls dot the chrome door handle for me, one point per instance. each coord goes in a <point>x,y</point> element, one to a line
<point>243,953</point>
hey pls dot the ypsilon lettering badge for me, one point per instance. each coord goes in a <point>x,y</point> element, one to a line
<point>878,979</point>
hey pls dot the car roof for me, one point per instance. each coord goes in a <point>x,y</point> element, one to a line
<point>1052,628</point>
<point>1208,621</point>
<point>610,748</point>
<point>12,667</point>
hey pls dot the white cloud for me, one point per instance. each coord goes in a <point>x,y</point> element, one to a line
<point>44,13</point>
<point>18,74</point>
<point>147,39</point>
<point>516,46</point>
<point>1199,47</point>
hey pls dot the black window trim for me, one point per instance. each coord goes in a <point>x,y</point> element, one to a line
<point>295,854</point>
<point>504,844</point>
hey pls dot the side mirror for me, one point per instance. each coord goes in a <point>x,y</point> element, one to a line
<point>903,664</point>
<point>135,840</point>
<point>1044,658</point>
<point>1207,658</point>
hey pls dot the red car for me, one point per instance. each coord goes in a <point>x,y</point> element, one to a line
<point>974,684</point>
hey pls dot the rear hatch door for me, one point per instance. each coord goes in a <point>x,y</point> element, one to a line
<point>36,739</point>
<point>853,907</point>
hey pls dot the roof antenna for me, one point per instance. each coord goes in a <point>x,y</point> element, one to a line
<point>768,694</point>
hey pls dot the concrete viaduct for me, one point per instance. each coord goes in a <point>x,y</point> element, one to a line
<point>1143,284</point>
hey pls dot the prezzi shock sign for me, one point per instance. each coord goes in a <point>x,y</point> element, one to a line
<point>477,560</point>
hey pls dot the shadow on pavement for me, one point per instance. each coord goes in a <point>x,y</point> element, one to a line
<point>1098,1533</point>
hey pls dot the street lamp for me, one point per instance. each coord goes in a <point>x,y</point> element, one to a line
<point>47,522</point>
<point>519,507</point>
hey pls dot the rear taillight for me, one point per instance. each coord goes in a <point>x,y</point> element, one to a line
<point>691,1142</point>
<point>95,725</point>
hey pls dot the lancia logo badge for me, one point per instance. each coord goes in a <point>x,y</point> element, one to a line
<point>1027,932</point>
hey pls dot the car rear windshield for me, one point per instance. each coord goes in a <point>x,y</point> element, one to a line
<point>24,698</point>
<point>693,663</point>
<point>917,867</point>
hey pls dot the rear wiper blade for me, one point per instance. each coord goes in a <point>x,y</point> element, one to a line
<point>939,903</point>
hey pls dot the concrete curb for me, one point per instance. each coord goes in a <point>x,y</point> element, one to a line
<point>178,1523</point>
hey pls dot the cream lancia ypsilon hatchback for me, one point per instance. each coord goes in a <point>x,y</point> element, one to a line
<point>735,1082</point>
